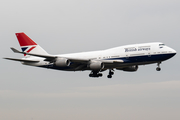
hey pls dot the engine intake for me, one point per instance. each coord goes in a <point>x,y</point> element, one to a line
<point>62,62</point>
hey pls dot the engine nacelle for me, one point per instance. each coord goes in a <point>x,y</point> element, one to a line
<point>96,65</point>
<point>129,69</point>
<point>62,62</point>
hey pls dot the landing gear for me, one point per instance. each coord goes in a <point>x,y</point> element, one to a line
<point>95,74</point>
<point>110,73</point>
<point>109,76</point>
<point>158,68</point>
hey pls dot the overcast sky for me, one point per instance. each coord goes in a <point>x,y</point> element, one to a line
<point>68,26</point>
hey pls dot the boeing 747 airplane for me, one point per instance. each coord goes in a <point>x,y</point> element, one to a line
<point>126,58</point>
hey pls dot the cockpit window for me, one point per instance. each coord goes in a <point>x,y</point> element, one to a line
<point>161,44</point>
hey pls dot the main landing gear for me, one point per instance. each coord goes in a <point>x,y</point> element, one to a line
<point>110,73</point>
<point>97,74</point>
<point>158,68</point>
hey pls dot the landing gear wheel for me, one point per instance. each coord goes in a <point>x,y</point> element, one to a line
<point>100,74</point>
<point>90,75</point>
<point>109,76</point>
<point>158,69</point>
<point>111,73</point>
<point>95,74</point>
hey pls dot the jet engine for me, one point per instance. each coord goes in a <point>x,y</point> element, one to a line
<point>62,62</point>
<point>129,69</point>
<point>96,65</point>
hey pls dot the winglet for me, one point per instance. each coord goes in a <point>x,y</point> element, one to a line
<point>15,50</point>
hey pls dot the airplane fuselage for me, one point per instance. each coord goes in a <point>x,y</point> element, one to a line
<point>126,58</point>
<point>136,54</point>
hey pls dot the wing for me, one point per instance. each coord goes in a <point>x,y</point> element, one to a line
<point>22,60</point>
<point>51,58</point>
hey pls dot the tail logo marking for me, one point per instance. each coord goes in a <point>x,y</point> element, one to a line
<point>31,49</point>
<point>25,48</point>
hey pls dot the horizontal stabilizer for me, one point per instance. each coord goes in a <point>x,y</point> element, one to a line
<point>15,50</point>
<point>21,60</point>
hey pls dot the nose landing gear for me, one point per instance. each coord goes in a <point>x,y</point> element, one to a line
<point>158,68</point>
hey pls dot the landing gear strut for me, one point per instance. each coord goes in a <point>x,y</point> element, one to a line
<point>158,68</point>
<point>95,74</point>
<point>110,73</point>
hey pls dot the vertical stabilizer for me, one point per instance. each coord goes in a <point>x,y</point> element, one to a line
<point>28,45</point>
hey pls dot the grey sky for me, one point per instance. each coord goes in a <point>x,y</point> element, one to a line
<point>66,26</point>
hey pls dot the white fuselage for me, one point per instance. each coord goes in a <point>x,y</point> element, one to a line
<point>136,54</point>
<point>126,58</point>
<point>124,51</point>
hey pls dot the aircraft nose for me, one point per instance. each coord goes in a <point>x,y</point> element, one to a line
<point>173,51</point>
